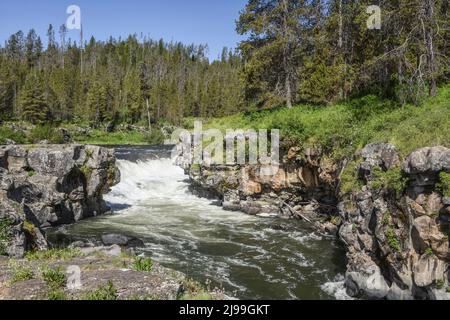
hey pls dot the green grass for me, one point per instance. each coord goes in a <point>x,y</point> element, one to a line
<point>16,136</point>
<point>106,292</point>
<point>101,137</point>
<point>344,128</point>
<point>45,132</point>
<point>21,272</point>
<point>142,264</point>
<point>53,254</point>
<point>429,252</point>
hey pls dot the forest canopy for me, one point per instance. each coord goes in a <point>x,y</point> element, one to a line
<point>314,51</point>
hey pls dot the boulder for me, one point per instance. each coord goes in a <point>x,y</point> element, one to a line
<point>382,155</point>
<point>121,240</point>
<point>50,185</point>
<point>426,235</point>
<point>428,270</point>
<point>425,160</point>
<point>364,279</point>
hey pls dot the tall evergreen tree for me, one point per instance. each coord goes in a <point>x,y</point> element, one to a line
<point>32,100</point>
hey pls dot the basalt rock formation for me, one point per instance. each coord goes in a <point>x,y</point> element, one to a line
<point>394,223</point>
<point>397,240</point>
<point>50,185</point>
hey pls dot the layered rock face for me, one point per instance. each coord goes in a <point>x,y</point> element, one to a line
<point>50,185</point>
<point>303,185</point>
<point>397,242</point>
<point>394,224</point>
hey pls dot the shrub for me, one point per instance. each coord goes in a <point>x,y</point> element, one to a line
<point>56,295</point>
<point>143,264</point>
<point>54,278</point>
<point>46,132</point>
<point>156,137</point>
<point>5,226</point>
<point>21,272</point>
<point>392,239</point>
<point>444,184</point>
<point>106,292</point>
<point>350,181</point>
<point>429,252</point>
<point>14,135</point>
<point>393,180</point>
<point>193,290</point>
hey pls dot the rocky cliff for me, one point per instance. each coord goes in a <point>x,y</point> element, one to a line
<point>390,214</point>
<point>50,185</point>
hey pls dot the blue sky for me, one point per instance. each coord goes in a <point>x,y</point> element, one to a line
<point>209,22</point>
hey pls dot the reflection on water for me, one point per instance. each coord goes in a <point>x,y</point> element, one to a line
<point>251,257</point>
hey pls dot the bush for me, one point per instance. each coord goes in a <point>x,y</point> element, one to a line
<point>143,264</point>
<point>156,137</point>
<point>5,226</point>
<point>21,272</point>
<point>16,136</point>
<point>46,132</point>
<point>392,239</point>
<point>57,295</point>
<point>350,181</point>
<point>444,184</point>
<point>106,292</point>
<point>193,290</point>
<point>392,179</point>
<point>54,278</point>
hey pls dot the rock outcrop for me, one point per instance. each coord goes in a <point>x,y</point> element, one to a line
<point>394,225</point>
<point>50,185</point>
<point>302,178</point>
<point>95,273</point>
<point>397,240</point>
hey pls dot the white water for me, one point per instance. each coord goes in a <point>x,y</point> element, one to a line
<point>251,257</point>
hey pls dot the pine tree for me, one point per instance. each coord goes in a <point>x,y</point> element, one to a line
<point>32,101</point>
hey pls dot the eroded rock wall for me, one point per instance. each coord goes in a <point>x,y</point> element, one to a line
<point>396,236</point>
<point>50,185</point>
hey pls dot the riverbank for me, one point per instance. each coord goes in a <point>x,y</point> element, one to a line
<point>95,273</point>
<point>250,257</point>
<point>45,186</point>
<point>392,214</point>
<point>103,134</point>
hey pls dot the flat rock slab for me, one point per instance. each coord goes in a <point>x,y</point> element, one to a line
<point>97,270</point>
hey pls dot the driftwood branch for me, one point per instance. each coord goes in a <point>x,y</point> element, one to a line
<point>296,212</point>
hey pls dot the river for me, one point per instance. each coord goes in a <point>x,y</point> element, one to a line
<point>250,257</point>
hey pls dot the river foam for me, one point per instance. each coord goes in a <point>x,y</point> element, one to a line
<point>251,257</point>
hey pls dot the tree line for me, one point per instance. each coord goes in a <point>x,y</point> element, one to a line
<point>134,80</point>
<point>315,51</point>
<point>322,51</point>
